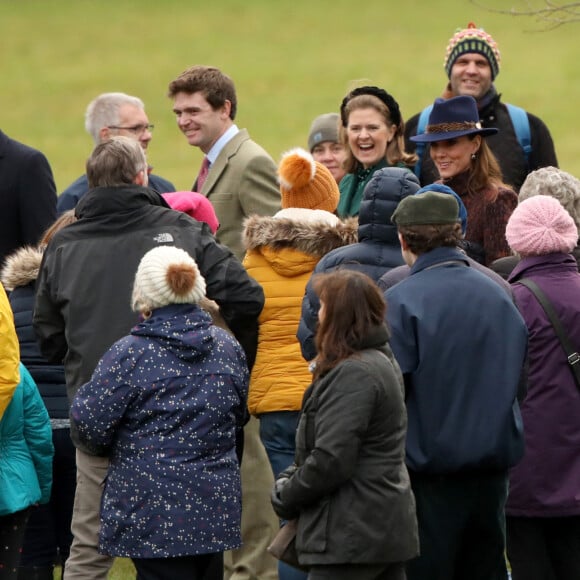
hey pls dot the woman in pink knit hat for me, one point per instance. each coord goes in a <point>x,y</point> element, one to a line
<point>543,507</point>
<point>194,205</point>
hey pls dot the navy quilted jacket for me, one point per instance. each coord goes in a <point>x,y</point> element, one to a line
<point>378,248</point>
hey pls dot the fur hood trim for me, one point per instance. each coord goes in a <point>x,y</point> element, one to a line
<point>21,268</point>
<point>315,238</point>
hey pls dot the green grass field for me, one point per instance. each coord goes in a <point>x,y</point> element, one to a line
<point>290,62</point>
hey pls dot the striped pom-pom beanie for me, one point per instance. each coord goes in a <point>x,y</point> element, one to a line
<point>469,40</point>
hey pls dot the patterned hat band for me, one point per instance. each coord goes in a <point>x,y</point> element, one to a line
<point>452,127</point>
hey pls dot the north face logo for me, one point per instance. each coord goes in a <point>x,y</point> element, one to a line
<point>163,238</point>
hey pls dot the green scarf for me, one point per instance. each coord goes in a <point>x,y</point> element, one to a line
<point>352,187</point>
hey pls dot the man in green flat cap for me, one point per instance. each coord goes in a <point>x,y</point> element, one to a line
<point>461,345</point>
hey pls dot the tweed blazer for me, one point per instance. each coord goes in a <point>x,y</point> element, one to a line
<point>241,182</point>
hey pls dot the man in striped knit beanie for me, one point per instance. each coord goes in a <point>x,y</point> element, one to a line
<point>523,143</point>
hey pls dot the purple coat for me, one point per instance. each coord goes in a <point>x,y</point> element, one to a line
<point>546,483</point>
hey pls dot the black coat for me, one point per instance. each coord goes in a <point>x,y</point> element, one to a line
<point>504,145</point>
<point>27,195</point>
<point>83,300</point>
<point>351,487</point>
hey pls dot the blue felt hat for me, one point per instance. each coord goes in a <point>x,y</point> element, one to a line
<point>452,118</point>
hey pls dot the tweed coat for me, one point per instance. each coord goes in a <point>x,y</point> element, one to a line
<point>241,182</point>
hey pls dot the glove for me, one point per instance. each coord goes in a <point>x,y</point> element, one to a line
<point>288,472</point>
<point>281,510</point>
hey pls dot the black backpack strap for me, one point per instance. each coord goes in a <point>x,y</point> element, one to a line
<point>571,352</point>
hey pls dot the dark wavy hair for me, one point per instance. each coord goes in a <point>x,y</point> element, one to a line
<point>485,173</point>
<point>424,238</point>
<point>353,305</point>
<point>212,83</point>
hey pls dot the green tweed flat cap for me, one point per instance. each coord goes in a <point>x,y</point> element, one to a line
<point>429,208</point>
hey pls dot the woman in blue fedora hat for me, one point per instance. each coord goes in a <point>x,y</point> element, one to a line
<point>465,163</point>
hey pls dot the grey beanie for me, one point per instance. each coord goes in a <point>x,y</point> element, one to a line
<point>557,184</point>
<point>324,128</point>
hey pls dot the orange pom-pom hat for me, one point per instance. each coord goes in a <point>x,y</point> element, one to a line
<point>305,183</point>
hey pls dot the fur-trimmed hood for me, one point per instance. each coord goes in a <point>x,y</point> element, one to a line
<point>21,268</point>
<point>313,237</point>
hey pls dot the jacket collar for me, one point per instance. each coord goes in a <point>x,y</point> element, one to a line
<point>21,268</point>
<point>314,238</point>
<point>459,184</point>
<point>230,149</point>
<point>437,257</point>
<point>543,264</point>
<point>108,200</point>
<point>488,101</point>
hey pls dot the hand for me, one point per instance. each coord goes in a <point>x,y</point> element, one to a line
<point>279,484</point>
<point>281,510</point>
<point>288,472</point>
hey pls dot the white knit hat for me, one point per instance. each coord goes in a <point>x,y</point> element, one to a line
<point>167,275</point>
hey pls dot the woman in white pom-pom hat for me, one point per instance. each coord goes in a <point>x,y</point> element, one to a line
<point>165,403</point>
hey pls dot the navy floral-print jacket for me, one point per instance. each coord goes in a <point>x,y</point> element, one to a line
<point>164,403</point>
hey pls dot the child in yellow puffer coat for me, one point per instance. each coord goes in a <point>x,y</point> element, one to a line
<point>281,254</point>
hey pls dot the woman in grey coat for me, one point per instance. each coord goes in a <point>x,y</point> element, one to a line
<point>349,486</point>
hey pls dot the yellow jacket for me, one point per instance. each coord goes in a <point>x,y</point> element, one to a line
<point>282,252</point>
<point>9,353</point>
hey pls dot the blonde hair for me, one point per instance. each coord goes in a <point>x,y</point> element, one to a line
<point>395,153</point>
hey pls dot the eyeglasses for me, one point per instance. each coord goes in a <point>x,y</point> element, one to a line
<point>135,129</point>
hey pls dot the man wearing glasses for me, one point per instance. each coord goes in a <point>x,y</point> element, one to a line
<point>110,115</point>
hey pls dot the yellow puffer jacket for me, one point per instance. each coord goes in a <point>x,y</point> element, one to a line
<point>9,353</point>
<point>282,252</point>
